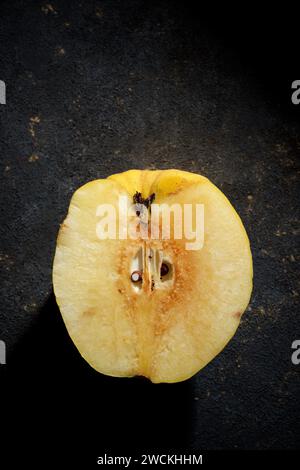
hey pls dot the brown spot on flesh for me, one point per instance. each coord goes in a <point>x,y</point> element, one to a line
<point>237,315</point>
<point>63,227</point>
<point>90,312</point>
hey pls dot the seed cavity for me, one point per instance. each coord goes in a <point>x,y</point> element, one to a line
<point>150,269</point>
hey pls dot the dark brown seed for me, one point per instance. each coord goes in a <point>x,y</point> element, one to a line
<point>164,269</point>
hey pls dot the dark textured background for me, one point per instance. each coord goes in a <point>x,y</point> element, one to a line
<point>95,88</point>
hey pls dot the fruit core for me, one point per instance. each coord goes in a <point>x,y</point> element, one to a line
<point>149,267</point>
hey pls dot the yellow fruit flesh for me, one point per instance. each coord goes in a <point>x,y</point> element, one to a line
<point>170,332</point>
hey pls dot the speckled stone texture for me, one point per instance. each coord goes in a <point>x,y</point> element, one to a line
<point>95,88</point>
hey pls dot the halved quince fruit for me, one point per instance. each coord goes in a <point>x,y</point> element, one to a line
<point>151,307</point>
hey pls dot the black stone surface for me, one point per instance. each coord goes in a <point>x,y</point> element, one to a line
<point>95,88</point>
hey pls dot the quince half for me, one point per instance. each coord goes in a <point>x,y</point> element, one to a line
<point>156,306</point>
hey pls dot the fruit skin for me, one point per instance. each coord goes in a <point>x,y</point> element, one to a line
<point>167,334</point>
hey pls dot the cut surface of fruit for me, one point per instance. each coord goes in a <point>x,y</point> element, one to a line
<point>150,306</point>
